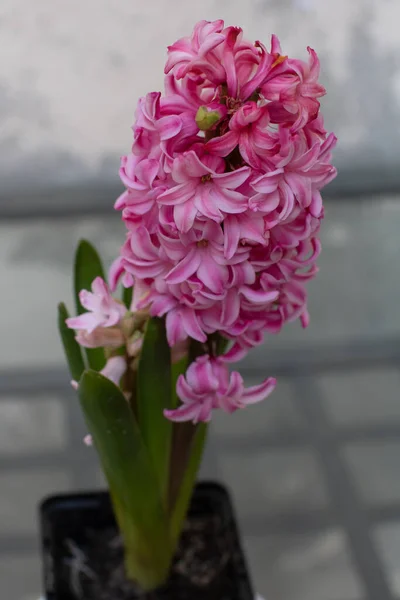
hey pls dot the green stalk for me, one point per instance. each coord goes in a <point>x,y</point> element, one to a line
<point>133,484</point>
<point>187,453</point>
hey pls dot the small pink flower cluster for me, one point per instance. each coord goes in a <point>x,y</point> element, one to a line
<point>208,385</point>
<point>102,326</point>
<point>223,201</point>
<point>99,326</point>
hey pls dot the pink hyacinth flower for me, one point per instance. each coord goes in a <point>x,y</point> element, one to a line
<point>182,322</point>
<point>245,228</point>
<point>103,310</point>
<point>202,256</point>
<point>223,205</point>
<point>244,131</point>
<point>294,93</point>
<point>138,175</point>
<point>208,386</point>
<point>194,52</point>
<point>203,188</point>
<point>152,127</point>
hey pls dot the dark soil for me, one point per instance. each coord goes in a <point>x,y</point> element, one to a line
<point>86,562</point>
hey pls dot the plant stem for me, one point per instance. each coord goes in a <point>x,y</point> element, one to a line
<point>183,436</point>
<point>189,466</point>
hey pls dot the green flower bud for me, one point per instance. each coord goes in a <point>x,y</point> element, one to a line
<point>206,119</point>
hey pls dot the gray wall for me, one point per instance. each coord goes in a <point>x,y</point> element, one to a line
<point>73,71</point>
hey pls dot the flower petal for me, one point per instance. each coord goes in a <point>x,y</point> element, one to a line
<point>205,204</point>
<point>213,276</point>
<point>201,377</point>
<point>175,329</point>
<point>229,201</point>
<point>301,188</point>
<point>257,393</point>
<point>184,215</point>
<point>185,268</point>
<point>223,145</point>
<point>177,195</point>
<point>259,296</point>
<point>186,412</point>
<point>169,127</point>
<point>114,368</point>
<point>185,391</point>
<point>191,325</point>
<point>232,232</point>
<point>267,183</point>
<point>236,385</point>
<point>87,321</point>
<point>233,179</point>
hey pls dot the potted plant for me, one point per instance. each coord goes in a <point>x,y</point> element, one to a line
<point>222,208</point>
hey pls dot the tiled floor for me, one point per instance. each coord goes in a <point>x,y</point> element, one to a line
<point>314,470</point>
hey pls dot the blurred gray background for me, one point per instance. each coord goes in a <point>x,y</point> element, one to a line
<point>315,470</point>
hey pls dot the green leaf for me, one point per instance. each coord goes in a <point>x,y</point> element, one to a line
<point>189,440</point>
<point>153,396</point>
<point>87,267</point>
<point>71,347</point>
<point>133,483</point>
<point>127,296</point>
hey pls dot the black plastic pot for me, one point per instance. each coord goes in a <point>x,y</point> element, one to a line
<point>83,556</point>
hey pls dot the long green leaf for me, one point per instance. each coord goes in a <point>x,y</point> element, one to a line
<point>71,347</point>
<point>87,267</point>
<point>133,483</point>
<point>153,396</point>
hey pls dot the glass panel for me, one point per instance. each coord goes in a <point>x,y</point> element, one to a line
<point>21,492</point>
<point>362,396</point>
<point>387,537</point>
<point>304,567</point>
<point>273,481</point>
<point>31,425</point>
<point>277,414</point>
<point>375,468</point>
<point>20,577</point>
